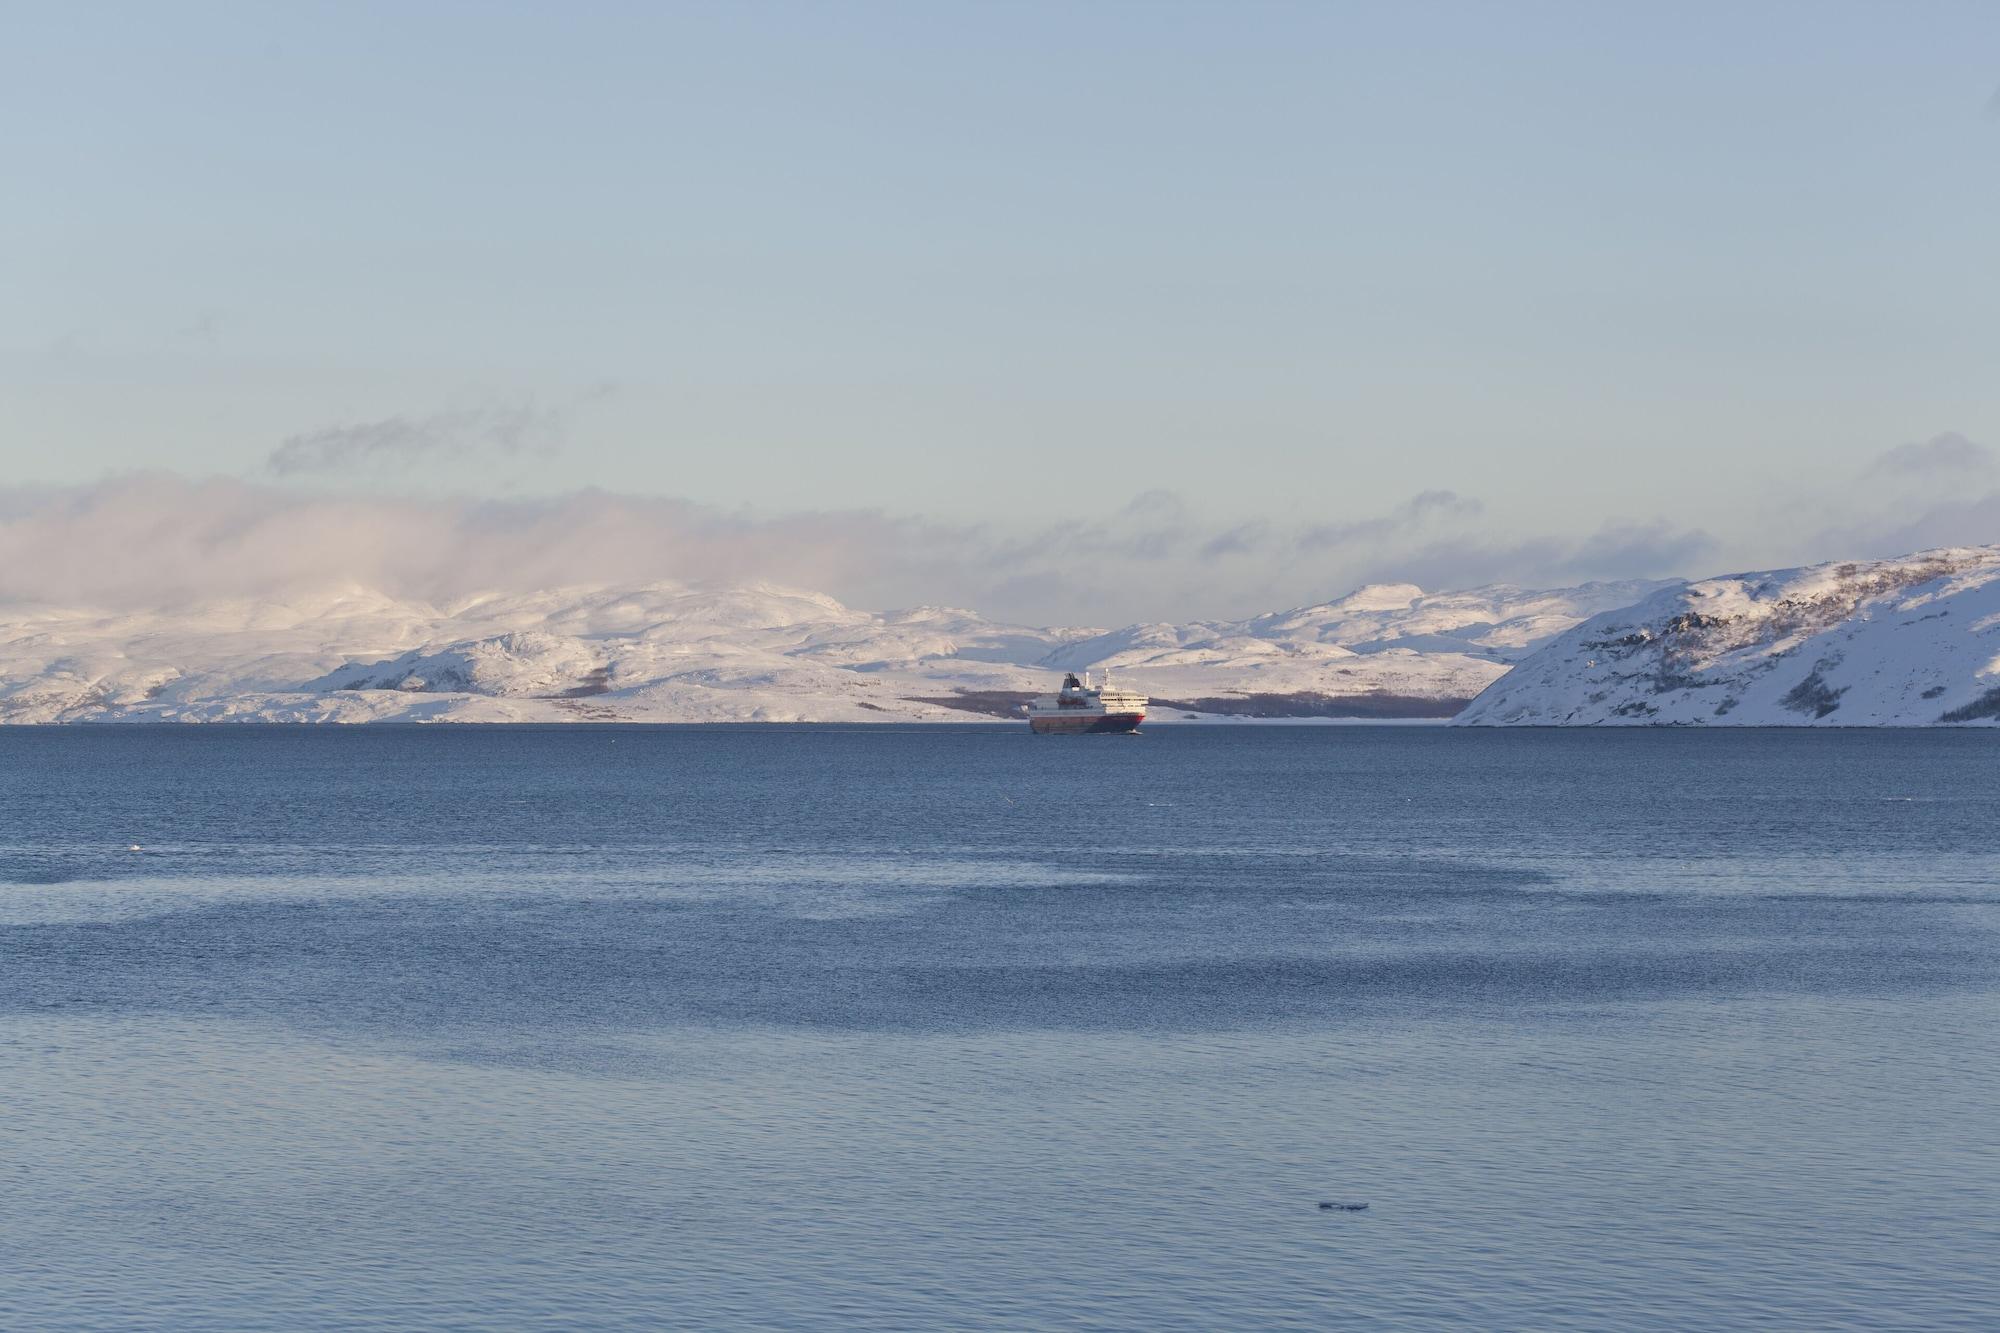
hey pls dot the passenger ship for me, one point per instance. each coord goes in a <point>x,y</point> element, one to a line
<point>1081,707</point>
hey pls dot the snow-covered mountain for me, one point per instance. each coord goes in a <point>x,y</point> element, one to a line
<point>1393,642</point>
<point>671,653</point>
<point>1907,642</point>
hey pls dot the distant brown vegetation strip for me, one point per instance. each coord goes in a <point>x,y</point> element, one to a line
<point>987,703</point>
<point>597,682</point>
<point>1311,704</point>
<point>1007,703</point>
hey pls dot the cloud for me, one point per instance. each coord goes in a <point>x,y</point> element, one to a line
<point>1616,550</point>
<point>1914,497</point>
<point>1942,455</point>
<point>1973,521</point>
<point>401,441</point>
<point>1639,551</point>
<point>205,330</point>
<point>1420,510</point>
<point>1243,539</point>
<point>159,540</point>
<point>429,437</point>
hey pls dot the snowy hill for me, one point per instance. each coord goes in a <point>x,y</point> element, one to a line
<point>1906,642</point>
<point>1394,642</point>
<point>670,653</point>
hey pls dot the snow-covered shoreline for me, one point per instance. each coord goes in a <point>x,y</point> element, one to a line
<point>667,653</point>
<point>1913,641</point>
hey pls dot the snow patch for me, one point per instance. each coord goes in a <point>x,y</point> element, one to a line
<point>1902,642</point>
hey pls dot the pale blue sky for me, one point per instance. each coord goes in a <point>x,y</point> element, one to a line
<point>1692,266</point>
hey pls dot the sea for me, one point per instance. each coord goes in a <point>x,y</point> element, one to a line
<point>798,1027</point>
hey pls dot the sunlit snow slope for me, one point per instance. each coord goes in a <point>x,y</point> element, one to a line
<point>669,653</point>
<point>1913,641</point>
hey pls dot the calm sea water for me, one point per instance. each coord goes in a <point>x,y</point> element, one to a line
<point>820,1027</point>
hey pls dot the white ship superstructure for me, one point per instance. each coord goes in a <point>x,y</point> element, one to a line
<point>1081,707</point>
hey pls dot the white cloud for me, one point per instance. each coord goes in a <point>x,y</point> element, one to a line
<point>409,439</point>
<point>1946,455</point>
<point>159,539</point>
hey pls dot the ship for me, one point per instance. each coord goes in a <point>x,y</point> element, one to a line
<point>1081,707</point>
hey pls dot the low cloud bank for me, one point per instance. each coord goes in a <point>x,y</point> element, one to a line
<point>163,540</point>
<point>1949,455</point>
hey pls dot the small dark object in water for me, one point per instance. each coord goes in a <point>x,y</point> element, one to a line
<point>1343,1207</point>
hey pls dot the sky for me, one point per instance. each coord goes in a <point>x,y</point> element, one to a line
<point>1073,313</point>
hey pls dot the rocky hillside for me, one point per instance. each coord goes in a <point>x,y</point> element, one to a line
<point>1913,641</point>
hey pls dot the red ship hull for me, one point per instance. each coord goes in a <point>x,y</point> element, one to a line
<point>1078,726</point>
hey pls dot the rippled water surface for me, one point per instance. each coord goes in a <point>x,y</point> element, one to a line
<point>818,1027</point>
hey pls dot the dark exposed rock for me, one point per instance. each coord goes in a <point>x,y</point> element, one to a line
<point>1985,706</point>
<point>1813,695</point>
<point>1694,620</point>
<point>1307,704</point>
<point>597,682</point>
